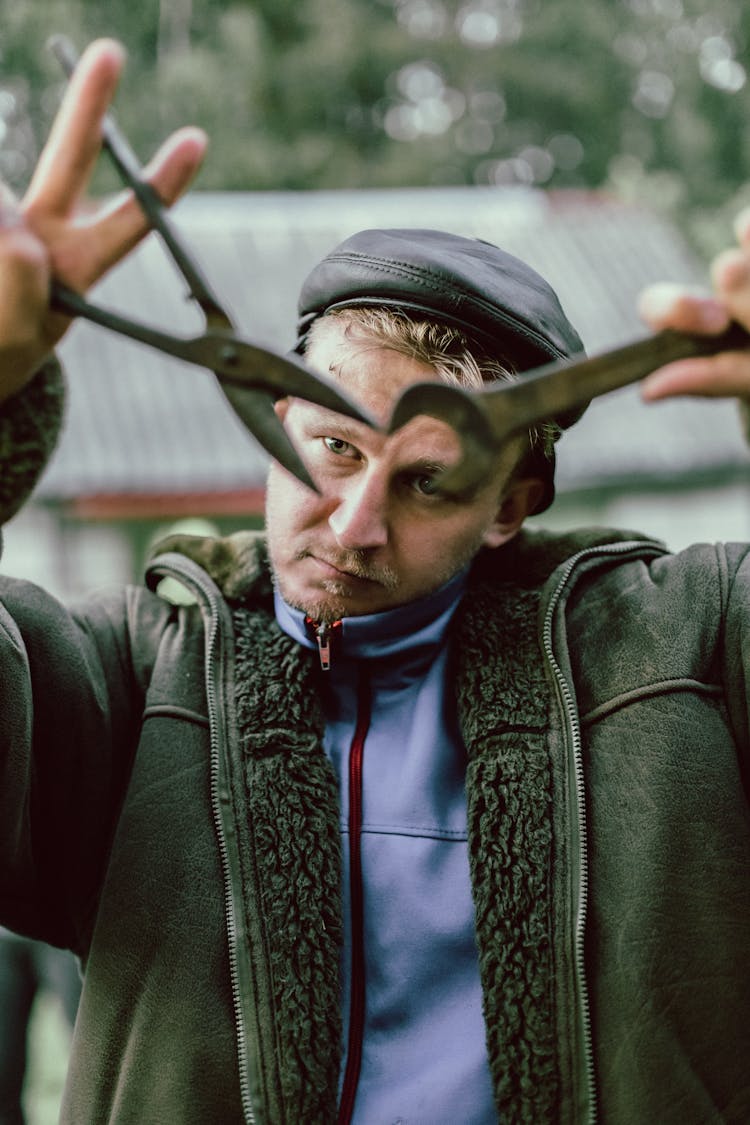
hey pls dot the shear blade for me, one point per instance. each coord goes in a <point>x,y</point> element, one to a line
<point>465,415</point>
<point>255,409</point>
<point>282,375</point>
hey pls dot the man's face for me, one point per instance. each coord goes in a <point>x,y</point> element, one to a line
<point>377,535</point>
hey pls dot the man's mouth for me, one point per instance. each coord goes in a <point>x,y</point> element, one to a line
<point>339,570</point>
<point>352,570</point>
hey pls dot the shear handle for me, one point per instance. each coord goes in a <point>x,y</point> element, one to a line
<point>484,420</point>
<point>551,391</point>
<point>235,362</point>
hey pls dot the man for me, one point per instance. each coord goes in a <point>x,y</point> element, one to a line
<point>534,749</point>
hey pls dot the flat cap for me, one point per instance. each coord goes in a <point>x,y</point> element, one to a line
<point>495,298</point>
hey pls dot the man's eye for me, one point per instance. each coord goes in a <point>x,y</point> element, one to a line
<point>426,484</point>
<point>339,446</point>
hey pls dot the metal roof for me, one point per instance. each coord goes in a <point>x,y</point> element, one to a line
<point>141,423</point>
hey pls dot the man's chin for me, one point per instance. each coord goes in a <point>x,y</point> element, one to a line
<point>328,605</point>
<point>318,605</point>
<point>327,608</point>
<point>315,588</point>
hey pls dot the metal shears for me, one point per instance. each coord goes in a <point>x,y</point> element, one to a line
<point>252,378</point>
<point>485,419</point>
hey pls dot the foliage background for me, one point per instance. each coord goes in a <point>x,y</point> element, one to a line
<point>647,98</point>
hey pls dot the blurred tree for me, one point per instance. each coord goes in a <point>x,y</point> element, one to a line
<point>648,97</point>
<point>175,25</point>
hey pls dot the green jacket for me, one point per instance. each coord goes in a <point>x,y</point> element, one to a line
<point>168,813</point>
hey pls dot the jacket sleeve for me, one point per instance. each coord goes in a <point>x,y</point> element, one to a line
<point>71,701</point>
<point>51,704</point>
<point>735,560</point>
<point>30,424</point>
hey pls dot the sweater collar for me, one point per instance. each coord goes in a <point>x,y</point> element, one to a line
<point>414,630</point>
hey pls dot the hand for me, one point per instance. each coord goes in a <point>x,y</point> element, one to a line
<point>47,234</point>
<point>726,374</point>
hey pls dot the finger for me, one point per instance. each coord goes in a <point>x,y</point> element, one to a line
<point>24,280</point>
<point>74,142</point>
<point>117,229</point>
<point>726,375</point>
<point>742,228</point>
<point>10,215</point>
<point>24,264</point>
<point>668,305</point>
<point>173,168</point>
<point>731,276</point>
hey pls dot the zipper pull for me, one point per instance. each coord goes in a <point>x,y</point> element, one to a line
<point>323,633</point>
<point>323,637</point>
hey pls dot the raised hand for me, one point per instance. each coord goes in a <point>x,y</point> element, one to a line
<point>50,233</point>
<point>727,374</point>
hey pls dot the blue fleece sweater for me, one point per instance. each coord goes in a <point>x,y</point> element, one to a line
<point>423,1045</point>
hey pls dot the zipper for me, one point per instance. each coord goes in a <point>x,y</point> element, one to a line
<point>356,899</point>
<point>324,632</point>
<point>220,797</point>
<point>581,847</point>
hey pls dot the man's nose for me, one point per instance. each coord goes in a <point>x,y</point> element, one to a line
<point>360,518</point>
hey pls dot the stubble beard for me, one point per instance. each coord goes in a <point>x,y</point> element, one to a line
<point>335,600</point>
<point>335,603</point>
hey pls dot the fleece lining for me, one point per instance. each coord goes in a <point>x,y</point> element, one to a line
<point>292,801</point>
<point>503,706</point>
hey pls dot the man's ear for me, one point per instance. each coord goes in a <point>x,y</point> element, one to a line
<point>519,501</point>
<point>281,406</point>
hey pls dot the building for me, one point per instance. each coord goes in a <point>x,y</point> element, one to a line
<point>150,441</point>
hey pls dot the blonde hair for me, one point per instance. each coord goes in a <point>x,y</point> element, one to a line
<point>447,350</point>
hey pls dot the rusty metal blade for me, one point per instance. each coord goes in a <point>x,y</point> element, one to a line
<point>485,419</point>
